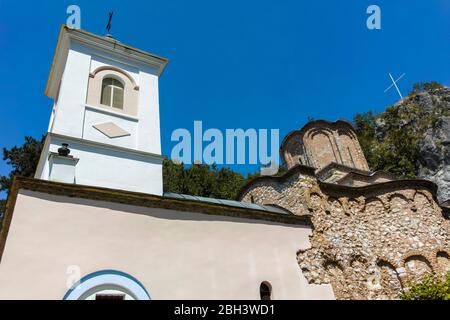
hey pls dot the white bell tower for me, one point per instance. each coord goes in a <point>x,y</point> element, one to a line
<point>106,112</point>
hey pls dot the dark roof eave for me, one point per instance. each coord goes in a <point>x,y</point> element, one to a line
<point>336,189</point>
<point>344,168</point>
<point>148,200</point>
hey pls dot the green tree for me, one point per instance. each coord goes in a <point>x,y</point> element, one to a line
<point>23,160</point>
<point>364,124</point>
<point>227,184</point>
<point>202,180</point>
<point>430,287</point>
<point>173,174</point>
<point>199,180</point>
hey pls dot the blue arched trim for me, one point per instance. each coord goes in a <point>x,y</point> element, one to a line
<point>105,272</point>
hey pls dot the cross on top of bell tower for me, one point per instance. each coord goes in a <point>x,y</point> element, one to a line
<point>108,25</point>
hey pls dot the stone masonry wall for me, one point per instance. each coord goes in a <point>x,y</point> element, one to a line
<point>372,246</point>
<point>289,194</point>
<point>367,244</point>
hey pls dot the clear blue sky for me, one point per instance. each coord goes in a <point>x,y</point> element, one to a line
<point>235,64</point>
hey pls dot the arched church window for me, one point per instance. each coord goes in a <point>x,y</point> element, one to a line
<point>265,291</point>
<point>112,93</point>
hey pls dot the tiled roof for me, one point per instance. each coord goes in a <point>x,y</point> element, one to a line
<point>230,203</point>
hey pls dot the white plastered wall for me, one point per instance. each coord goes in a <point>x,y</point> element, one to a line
<point>103,166</point>
<point>175,255</point>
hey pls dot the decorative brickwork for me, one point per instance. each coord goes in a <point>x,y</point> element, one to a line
<point>320,143</point>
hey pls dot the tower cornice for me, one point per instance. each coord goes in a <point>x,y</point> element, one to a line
<point>106,44</point>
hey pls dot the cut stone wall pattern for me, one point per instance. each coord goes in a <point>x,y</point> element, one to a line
<point>369,241</point>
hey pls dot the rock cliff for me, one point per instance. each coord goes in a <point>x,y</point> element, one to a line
<point>425,116</point>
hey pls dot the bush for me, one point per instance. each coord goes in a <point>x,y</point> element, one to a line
<point>431,287</point>
<point>426,86</point>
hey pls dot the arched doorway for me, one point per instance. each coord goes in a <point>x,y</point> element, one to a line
<point>107,285</point>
